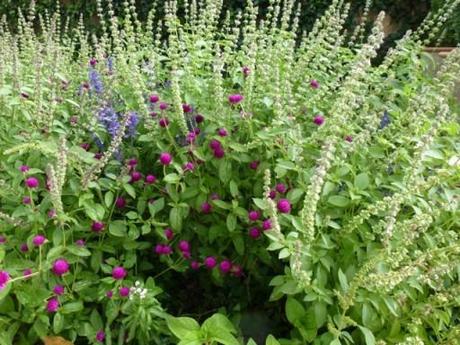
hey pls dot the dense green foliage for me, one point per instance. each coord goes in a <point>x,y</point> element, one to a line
<point>227,180</point>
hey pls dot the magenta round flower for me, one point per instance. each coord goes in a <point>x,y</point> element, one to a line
<point>109,294</point>
<point>58,290</point>
<point>210,262</point>
<point>225,266</point>
<point>166,250</point>
<point>195,265</point>
<point>2,239</point>
<point>24,168</point>
<point>24,247</point>
<point>254,165</point>
<point>149,179</point>
<point>159,249</point>
<point>219,153</point>
<point>26,200</point>
<point>237,271</point>
<point>188,166</point>
<point>267,224</point>
<point>314,84</point>
<point>165,158</point>
<point>197,131</point>
<point>187,255</point>
<point>60,267</point>
<point>235,99</point>
<point>187,108</point>
<point>27,272</point>
<point>85,146</point>
<point>215,196</point>
<point>199,118</point>
<point>284,206</point>
<point>163,122</point>
<point>349,138</point>
<point>184,246</point>
<point>100,336</point>
<point>93,62</point>
<point>53,305</point>
<point>246,71</point>
<point>38,240</point>
<point>272,194</point>
<point>169,234</point>
<point>254,232</point>
<point>215,144</point>
<point>4,279</point>
<point>132,162</point>
<point>206,207</point>
<point>136,176</point>
<point>254,215</point>
<point>318,120</point>
<point>52,213</point>
<point>120,202</point>
<point>281,188</point>
<point>191,136</point>
<point>222,132</point>
<point>32,182</point>
<point>163,106</point>
<point>154,98</point>
<point>124,291</point>
<point>97,226</point>
<point>119,273</point>
<point>80,242</point>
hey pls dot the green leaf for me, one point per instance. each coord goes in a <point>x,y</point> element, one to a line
<point>338,200</point>
<point>108,199</point>
<point>58,323</point>
<point>216,323</point>
<point>225,170</point>
<point>78,250</point>
<point>251,342</point>
<point>225,338</point>
<point>117,228</point>
<point>231,222</point>
<point>130,190</point>
<point>294,310</point>
<point>271,340</point>
<point>343,280</point>
<point>172,178</point>
<point>238,242</point>
<point>72,307</point>
<point>175,218</point>
<point>368,336</point>
<point>234,189</point>
<point>260,203</point>
<point>362,181</point>
<point>182,327</point>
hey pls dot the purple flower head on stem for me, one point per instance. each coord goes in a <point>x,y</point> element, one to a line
<point>163,106</point>
<point>225,266</point>
<point>314,84</point>
<point>246,71</point>
<point>92,62</point>
<point>206,207</point>
<point>32,182</point>
<point>58,290</point>
<point>187,108</point>
<point>318,120</point>
<point>100,336</point>
<point>219,153</point>
<point>281,188</point>
<point>188,166</point>
<point>53,305</point>
<point>24,168</point>
<point>2,239</point>
<point>154,98</point>
<point>26,200</point>
<point>210,262</point>
<point>165,158</point>
<point>163,122</point>
<point>124,291</point>
<point>222,132</point>
<point>284,206</point>
<point>149,179</point>
<point>60,267</point>
<point>118,273</point>
<point>52,213</point>
<point>253,215</point>
<point>38,240</point>
<point>24,248</point>
<point>120,202</point>
<point>97,226</point>
<point>215,144</point>
<point>27,272</point>
<point>169,234</point>
<point>267,224</point>
<point>349,138</point>
<point>184,246</point>
<point>199,118</point>
<point>254,232</point>
<point>136,176</point>
<point>235,99</point>
<point>80,242</point>
<point>109,294</point>
<point>254,165</point>
<point>194,265</point>
<point>4,279</point>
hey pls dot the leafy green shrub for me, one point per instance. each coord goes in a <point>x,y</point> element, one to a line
<point>233,168</point>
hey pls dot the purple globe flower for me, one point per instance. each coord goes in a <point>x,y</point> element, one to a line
<point>154,98</point>
<point>184,246</point>
<point>58,290</point>
<point>222,132</point>
<point>219,153</point>
<point>254,215</point>
<point>187,108</point>
<point>191,136</point>
<point>52,213</point>
<point>26,200</point>
<point>314,84</point>
<point>2,239</point>
<point>38,240</point>
<point>100,336</point>
<point>120,202</point>
<point>60,267</point>
<point>119,273</point>
<point>254,165</point>
<point>32,182</point>
<point>27,272</point>
<point>254,232</point>
<point>195,265</point>
<point>163,122</point>
<point>225,266</point>
<point>349,138</point>
<point>166,250</point>
<point>163,106</point>
<point>97,226</point>
<point>24,248</point>
<point>53,305</point>
<point>93,62</point>
<point>124,291</point>
<point>132,162</point>
<point>284,206</point>
<point>235,99</point>
<point>199,118</point>
<point>237,270</point>
<point>267,224</point>
<point>215,144</point>
<point>272,194</point>
<point>165,158</point>
<point>281,188</point>
<point>246,71</point>
<point>188,166</point>
<point>136,176</point>
<point>210,262</point>
<point>109,294</point>
<point>206,207</point>
<point>80,242</point>
<point>4,279</point>
<point>318,120</point>
<point>149,179</point>
<point>24,168</point>
<point>169,234</point>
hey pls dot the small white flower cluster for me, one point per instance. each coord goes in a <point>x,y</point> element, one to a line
<point>137,289</point>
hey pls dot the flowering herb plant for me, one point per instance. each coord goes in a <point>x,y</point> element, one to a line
<point>164,191</point>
